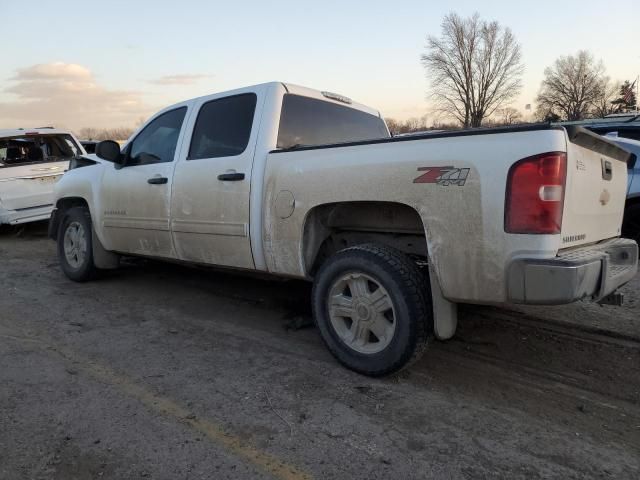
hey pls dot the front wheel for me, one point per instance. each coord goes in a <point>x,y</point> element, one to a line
<point>75,248</point>
<point>372,305</point>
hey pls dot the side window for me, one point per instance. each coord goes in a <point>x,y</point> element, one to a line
<point>223,127</point>
<point>157,141</point>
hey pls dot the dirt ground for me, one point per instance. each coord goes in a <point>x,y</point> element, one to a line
<point>167,372</point>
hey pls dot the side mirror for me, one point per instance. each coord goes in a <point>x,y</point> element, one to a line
<point>109,150</point>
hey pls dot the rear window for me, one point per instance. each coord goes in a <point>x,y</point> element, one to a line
<point>37,149</point>
<point>309,121</point>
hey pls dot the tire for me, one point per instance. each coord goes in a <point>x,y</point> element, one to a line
<point>372,306</point>
<point>631,222</point>
<point>75,245</point>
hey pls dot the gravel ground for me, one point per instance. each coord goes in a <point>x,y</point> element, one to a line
<point>167,372</point>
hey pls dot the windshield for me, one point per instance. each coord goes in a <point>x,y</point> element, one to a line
<point>37,149</point>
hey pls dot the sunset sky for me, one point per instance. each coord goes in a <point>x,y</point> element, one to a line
<point>108,64</point>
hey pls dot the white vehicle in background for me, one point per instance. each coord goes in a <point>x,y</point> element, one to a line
<point>393,232</point>
<point>31,161</point>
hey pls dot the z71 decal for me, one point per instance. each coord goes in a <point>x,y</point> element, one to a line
<point>444,176</point>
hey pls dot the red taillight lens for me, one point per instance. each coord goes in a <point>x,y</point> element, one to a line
<point>535,194</point>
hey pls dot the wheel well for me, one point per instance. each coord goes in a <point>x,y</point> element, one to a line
<point>67,203</point>
<point>332,227</point>
<point>63,205</point>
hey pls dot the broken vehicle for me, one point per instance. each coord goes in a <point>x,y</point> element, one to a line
<point>31,161</point>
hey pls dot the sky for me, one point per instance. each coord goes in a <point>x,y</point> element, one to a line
<point>77,64</point>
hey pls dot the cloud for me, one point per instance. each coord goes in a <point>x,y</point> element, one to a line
<point>179,79</point>
<point>67,95</point>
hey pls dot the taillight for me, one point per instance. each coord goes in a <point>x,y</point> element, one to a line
<point>535,194</point>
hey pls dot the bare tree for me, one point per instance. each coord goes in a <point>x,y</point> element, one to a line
<point>88,133</point>
<point>509,116</point>
<point>475,68</point>
<point>413,124</point>
<point>572,86</point>
<point>119,133</point>
<point>604,104</point>
<point>393,125</point>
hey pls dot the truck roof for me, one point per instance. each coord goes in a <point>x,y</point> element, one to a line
<point>297,90</point>
<point>329,96</point>
<point>18,132</point>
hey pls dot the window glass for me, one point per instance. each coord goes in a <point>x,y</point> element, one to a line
<point>157,141</point>
<point>37,149</point>
<point>223,127</point>
<point>309,121</point>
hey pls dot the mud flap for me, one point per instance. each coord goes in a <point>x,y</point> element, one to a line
<point>445,313</point>
<point>102,258</point>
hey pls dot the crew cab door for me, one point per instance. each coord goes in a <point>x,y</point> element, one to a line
<point>210,200</point>
<point>135,197</point>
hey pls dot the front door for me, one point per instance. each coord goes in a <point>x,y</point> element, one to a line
<point>210,202</point>
<point>135,197</point>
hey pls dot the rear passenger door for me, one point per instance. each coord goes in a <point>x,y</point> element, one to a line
<point>210,198</point>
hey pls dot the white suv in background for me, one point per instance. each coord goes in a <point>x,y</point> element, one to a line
<point>31,161</point>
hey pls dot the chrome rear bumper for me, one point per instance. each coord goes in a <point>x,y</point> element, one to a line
<point>589,273</point>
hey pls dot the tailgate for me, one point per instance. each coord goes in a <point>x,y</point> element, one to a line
<point>595,189</point>
<point>28,186</point>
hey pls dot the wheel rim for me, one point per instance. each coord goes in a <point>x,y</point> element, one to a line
<point>75,245</point>
<point>361,313</point>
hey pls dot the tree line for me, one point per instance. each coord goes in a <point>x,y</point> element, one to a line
<point>99,134</point>
<point>475,71</point>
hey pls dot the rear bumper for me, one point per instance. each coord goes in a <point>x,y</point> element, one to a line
<point>589,273</point>
<point>25,215</point>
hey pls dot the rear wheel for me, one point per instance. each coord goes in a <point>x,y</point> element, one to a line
<point>631,222</point>
<point>75,249</point>
<point>372,306</point>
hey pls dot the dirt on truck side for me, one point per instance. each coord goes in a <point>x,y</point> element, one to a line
<point>163,371</point>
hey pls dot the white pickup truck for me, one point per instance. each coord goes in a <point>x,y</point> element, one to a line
<point>393,232</point>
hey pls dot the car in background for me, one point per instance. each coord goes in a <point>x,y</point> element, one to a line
<point>89,145</point>
<point>623,129</point>
<point>31,162</point>
<point>625,125</point>
<point>631,222</point>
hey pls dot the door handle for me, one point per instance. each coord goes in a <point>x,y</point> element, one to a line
<point>157,180</point>
<point>231,177</point>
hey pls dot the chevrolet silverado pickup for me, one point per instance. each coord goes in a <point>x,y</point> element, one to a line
<point>393,232</point>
